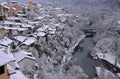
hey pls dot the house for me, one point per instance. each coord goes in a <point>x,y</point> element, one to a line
<point>25,40</point>
<point>17,75</point>
<point>32,5</point>
<point>25,60</point>
<point>29,41</point>
<point>4,60</point>
<point>8,10</point>
<point>16,6</point>
<point>5,41</point>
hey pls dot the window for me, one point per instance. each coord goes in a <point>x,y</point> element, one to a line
<point>1,70</point>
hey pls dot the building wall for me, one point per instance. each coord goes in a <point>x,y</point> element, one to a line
<point>26,64</point>
<point>5,74</point>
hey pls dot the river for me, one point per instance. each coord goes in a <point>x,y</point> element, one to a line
<point>84,59</point>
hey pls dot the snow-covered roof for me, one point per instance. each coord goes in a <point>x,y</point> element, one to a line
<point>44,28</point>
<point>11,23</point>
<point>20,38</point>
<point>29,40</point>
<point>8,28</point>
<point>58,8</point>
<point>41,29</point>
<point>2,4</point>
<point>104,73</point>
<point>22,29</point>
<point>10,69</point>
<point>31,22</point>
<point>32,35</point>
<point>6,41</point>
<point>27,25</point>
<point>23,54</point>
<point>51,29</point>
<point>5,58</point>
<point>14,65</point>
<point>17,75</point>
<point>41,34</point>
<point>109,58</point>
<point>15,28</point>
<point>6,5</point>
<point>8,23</point>
<point>39,18</point>
<point>59,15</point>
<point>21,14</point>
<point>14,18</point>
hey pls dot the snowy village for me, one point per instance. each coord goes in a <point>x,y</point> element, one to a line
<point>44,41</point>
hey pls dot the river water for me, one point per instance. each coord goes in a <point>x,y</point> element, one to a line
<point>84,59</point>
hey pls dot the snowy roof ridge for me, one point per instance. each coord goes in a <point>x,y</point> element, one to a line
<point>17,75</point>
<point>23,54</point>
<point>6,41</point>
<point>5,58</point>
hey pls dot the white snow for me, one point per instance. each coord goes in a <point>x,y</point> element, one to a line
<point>13,18</point>
<point>29,40</point>
<point>108,57</point>
<point>41,34</point>
<point>5,58</point>
<point>8,23</point>
<point>23,54</point>
<point>3,4</point>
<point>104,73</point>
<point>8,28</point>
<point>41,29</point>
<point>10,69</point>
<point>21,15</point>
<point>11,23</point>
<point>22,29</point>
<point>20,38</point>
<point>6,41</point>
<point>17,75</point>
<point>39,18</point>
<point>31,22</point>
<point>14,65</point>
<point>27,26</point>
